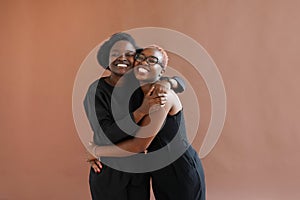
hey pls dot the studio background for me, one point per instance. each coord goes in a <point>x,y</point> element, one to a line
<point>255,45</point>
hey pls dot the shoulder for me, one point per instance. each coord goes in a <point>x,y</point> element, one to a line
<point>94,84</point>
<point>93,88</point>
<point>173,102</point>
<point>172,96</point>
<point>98,85</point>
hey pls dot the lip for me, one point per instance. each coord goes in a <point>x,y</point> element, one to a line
<point>122,63</point>
<point>142,67</point>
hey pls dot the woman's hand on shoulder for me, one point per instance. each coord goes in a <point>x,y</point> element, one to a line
<point>153,100</point>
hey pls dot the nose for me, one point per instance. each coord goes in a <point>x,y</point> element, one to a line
<point>122,57</point>
<point>143,62</point>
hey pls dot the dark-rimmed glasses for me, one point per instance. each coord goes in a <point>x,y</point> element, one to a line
<point>150,60</point>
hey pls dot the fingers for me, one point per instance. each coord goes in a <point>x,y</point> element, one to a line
<point>150,91</point>
<point>162,95</point>
<point>153,99</point>
<point>96,165</point>
<point>162,100</point>
<point>157,90</point>
<point>96,168</point>
<point>160,89</point>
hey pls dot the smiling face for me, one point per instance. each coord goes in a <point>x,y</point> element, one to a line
<point>121,57</point>
<point>145,70</point>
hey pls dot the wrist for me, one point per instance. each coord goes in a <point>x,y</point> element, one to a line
<point>91,160</point>
<point>140,113</point>
<point>95,151</point>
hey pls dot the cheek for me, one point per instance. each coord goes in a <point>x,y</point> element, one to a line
<point>135,63</point>
<point>158,70</point>
<point>112,59</point>
<point>130,59</point>
<point>154,74</point>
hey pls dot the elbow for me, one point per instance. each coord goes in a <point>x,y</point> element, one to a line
<point>141,148</point>
<point>138,145</point>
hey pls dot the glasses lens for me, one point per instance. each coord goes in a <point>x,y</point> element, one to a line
<point>152,60</point>
<point>140,58</point>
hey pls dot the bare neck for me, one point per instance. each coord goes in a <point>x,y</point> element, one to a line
<point>146,87</point>
<point>115,79</point>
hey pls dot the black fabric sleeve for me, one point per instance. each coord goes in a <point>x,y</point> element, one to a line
<point>110,127</point>
<point>181,84</point>
<point>106,130</point>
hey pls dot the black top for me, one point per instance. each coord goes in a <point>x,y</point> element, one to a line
<point>108,108</point>
<point>108,111</point>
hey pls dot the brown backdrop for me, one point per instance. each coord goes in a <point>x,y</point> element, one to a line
<point>254,43</point>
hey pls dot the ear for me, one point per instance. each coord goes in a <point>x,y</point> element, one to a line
<point>162,72</point>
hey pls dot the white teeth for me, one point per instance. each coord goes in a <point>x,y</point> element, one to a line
<point>142,70</point>
<point>122,65</point>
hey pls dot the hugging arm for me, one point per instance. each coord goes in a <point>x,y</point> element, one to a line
<point>105,128</point>
<point>176,83</point>
<point>103,125</point>
<point>111,128</point>
<point>97,111</point>
<point>154,121</point>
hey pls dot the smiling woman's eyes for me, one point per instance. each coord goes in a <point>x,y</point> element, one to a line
<point>114,54</point>
<point>118,54</point>
<point>130,53</point>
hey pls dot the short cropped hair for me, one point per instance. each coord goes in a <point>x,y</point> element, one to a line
<point>165,58</point>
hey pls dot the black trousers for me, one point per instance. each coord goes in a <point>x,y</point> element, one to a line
<point>181,180</point>
<point>111,184</point>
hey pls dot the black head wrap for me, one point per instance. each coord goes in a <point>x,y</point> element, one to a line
<point>104,51</point>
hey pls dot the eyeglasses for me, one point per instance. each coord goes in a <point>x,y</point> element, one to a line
<point>150,60</point>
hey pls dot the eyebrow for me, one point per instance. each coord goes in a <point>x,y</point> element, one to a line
<point>118,51</point>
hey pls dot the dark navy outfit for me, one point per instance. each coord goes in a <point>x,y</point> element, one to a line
<point>112,184</point>
<point>183,178</point>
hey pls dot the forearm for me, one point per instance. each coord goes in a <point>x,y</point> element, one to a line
<point>123,128</point>
<point>128,147</point>
<point>176,83</point>
<point>106,129</point>
<point>141,141</point>
<point>89,156</point>
<point>122,149</point>
<point>138,115</point>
